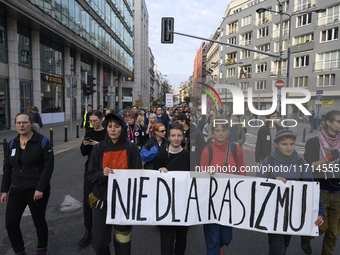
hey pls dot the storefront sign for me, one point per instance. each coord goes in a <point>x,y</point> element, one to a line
<point>51,78</point>
<point>144,197</point>
<point>326,102</point>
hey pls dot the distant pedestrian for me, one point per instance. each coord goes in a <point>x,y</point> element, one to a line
<point>86,119</point>
<point>236,130</point>
<point>135,131</point>
<point>28,167</point>
<point>149,129</point>
<point>36,118</point>
<point>311,119</point>
<point>93,137</point>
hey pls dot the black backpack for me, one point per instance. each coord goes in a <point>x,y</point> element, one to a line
<point>233,151</point>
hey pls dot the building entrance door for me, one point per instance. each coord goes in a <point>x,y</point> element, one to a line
<point>26,95</point>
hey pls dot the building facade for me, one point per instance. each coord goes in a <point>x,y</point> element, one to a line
<point>43,41</point>
<point>315,51</point>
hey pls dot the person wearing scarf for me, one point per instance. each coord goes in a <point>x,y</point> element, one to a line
<point>322,153</point>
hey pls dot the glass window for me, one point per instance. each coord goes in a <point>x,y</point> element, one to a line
<point>326,80</point>
<point>260,85</point>
<point>329,34</point>
<point>51,57</point>
<point>3,40</point>
<point>24,46</point>
<point>301,81</point>
<point>52,98</point>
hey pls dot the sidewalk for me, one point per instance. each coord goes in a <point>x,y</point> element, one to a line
<point>59,145</point>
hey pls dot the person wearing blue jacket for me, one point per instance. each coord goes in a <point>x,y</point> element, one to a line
<point>286,155</point>
<point>154,145</point>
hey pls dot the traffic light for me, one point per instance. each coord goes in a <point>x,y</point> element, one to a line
<point>167,35</point>
<point>86,86</point>
<point>90,80</point>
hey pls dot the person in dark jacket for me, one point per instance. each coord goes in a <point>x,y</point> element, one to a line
<point>93,137</point>
<point>311,120</point>
<point>285,155</point>
<point>173,158</point>
<point>322,154</point>
<point>236,130</point>
<point>114,152</point>
<point>28,167</point>
<point>135,131</point>
<point>86,119</point>
<point>265,138</point>
<point>36,118</point>
<point>154,145</point>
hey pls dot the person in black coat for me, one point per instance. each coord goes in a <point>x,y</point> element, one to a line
<point>28,167</point>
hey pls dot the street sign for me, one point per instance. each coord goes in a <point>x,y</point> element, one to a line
<point>139,102</point>
<point>279,84</point>
<point>318,92</point>
<point>279,97</point>
<point>71,93</point>
<point>318,105</point>
<point>318,96</point>
<point>71,78</point>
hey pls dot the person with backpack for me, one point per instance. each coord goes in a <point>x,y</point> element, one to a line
<point>285,155</point>
<point>322,153</point>
<point>36,118</point>
<point>221,153</point>
<point>28,167</point>
<point>173,158</point>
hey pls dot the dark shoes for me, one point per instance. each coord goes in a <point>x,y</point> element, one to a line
<point>87,238</point>
<point>21,253</point>
<point>305,245</point>
<point>42,251</point>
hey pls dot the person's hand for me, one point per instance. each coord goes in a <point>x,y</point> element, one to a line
<point>107,171</point>
<point>163,170</point>
<point>4,198</point>
<point>93,142</point>
<point>38,195</point>
<point>319,221</point>
<point>236,143</point>
<point>258,164</point>
<point>86,142</point>
<point>281,178</point>
<point>81,129</point>
<point>149,125</point>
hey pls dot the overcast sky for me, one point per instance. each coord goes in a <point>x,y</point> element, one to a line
<point>194,17</point>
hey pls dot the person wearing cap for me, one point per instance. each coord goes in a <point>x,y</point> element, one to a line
<point>322,153</point>
<point>285,155</point>
<point>86,119</point>
<point>114,152</point>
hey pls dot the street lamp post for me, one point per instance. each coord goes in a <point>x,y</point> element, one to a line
<point>261,10</point>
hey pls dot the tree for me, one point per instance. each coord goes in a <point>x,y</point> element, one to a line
<point>165,88</point>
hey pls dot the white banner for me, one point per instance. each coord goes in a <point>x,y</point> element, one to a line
<point>143,197</point>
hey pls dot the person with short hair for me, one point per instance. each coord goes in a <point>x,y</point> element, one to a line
<point>114,152</point>
<point>311,120</point>
<point>285,155</point>
<point>236,130</point>
<point>86,119</point>
<point>322,152</point>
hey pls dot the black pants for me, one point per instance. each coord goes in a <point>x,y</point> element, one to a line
<point>102,234</point>
<point>17,202</point>
<point>168,236</point>
<point>87,211</point>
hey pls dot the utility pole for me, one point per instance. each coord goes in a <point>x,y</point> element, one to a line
<point>280,46</point>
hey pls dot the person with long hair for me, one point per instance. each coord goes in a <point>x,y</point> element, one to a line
<point>135,131</point>
<point>153,146</point>
<point>152,122</point>
<point>92,137</point>
<point>114,152</point>
<point>174,158</point>
<point>28,167</point>
<point>145,119</point>
<point>221,153</point>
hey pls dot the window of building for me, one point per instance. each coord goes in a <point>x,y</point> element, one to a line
<point>45,5</point>
<point>24,46</point>
<point>221,75</point>
<point>302,5</point>
<point>262,32</point>
<point>51,56</point>
<point>244,86</point>
<point>302,61</point>
<point>237,10</point>
<point>246,39</point>
<point>221,33</point>
<point>261,68</point>
<point>231,72</point>
<point>245,72</point>
<point>285,6</point>
<point>303,39</point>
<point>330,16</point>
<point>232,28</point>
<point>327,60</point>
<point>246,21</point>
<point>326,80</point>
<point>301,81</point>
<point>221,61</point>
<point>304,19</point>
<point>275,67</point>
<point>277,46</point>
<point>232,40</point>
<point>285,29</point>
<point>329,34</point>
<point>245,54</point>
<point>232,55</point>
<point>3,40</point>
<point>221,47</point>
<point>260,85</point>
<point>265,47</point>
<point>263,18</point>
<point>52,98</point>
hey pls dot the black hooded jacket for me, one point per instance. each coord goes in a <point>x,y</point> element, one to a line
<point>120,155</point>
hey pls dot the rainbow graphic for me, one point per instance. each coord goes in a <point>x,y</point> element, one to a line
<point>209,93</point>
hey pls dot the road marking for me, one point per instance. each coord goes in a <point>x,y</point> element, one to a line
<point>70,204</point>
<point>27,212</point>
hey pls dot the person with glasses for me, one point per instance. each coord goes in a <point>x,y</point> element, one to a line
<point>221,153</point>
<point>92,137</point>
<point>28,167</point>
<point>322,154</point>
<point>173,158</point>
<point>154,145</point>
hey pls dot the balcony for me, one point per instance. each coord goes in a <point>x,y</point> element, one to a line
<point>275,71</point>
<point>259,56</point>
<point>276,33</point>
<point>304,5</point>
<point>245,75</point>
<point>246,42</point>
<point>327,65</point>
<point>233,31</point>
<point>263,20</point>
<point>302,47</point>
<point>231,61</point>
<point>329,19</point>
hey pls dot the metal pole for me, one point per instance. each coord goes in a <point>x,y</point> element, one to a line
<point>280,47</point>
<point>304,135</point>
<point>5,146</point>
<point>288,61</point>
<point>51,136</point>
<point>65,140</point>
<point>77,136</point>
<point>71,98</point>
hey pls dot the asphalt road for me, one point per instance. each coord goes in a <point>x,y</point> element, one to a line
<point>65,221</point>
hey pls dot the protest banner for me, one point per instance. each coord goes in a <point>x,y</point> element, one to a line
<point>143,197</point>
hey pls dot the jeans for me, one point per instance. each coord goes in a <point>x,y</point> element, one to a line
<point>216,236</point>
<point>312,125</point>
<point>17,202</point>
<point>171,235</point>
<point>278,244</point>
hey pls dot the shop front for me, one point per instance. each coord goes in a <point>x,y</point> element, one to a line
<point>52,98</point>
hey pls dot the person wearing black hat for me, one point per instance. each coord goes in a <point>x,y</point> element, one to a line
<point>114,152</point>
<point>86,120</point>
<point>285,155</point>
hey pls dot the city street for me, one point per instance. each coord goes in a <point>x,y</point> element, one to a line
<point>65,220</point>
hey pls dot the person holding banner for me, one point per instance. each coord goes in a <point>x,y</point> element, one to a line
<point>322,153</point>
<point>114,152</point>
<point>221,153</point>
<point>285,155</point>
<point>154,145</point>
<point>173,158</point>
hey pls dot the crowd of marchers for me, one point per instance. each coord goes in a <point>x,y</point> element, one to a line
<point>165,139</point>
